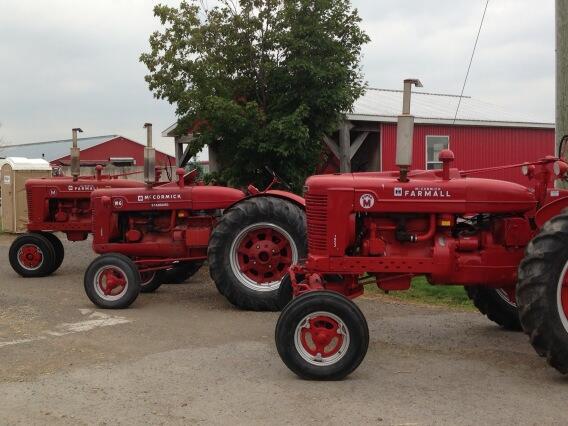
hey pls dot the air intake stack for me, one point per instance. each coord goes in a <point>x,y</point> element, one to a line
<point>149,157</point>
<point>405,131</point>
<point>75,162</point>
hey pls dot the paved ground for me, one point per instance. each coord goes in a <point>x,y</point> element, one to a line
<point>183,355</point>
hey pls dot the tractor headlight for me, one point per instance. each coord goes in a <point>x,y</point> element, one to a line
<point>560,168</point>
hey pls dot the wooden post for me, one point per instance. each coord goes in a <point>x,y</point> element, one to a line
<point>345,148</point>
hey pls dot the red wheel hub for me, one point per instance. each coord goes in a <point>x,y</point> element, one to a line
<point>30,256</point>
<point>321,336</point>
<point>264,255</point>
<point>111,281</point>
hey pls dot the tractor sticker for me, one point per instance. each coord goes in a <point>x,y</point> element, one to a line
<point>118,203</point>
<point>159,205</point>
<point>422,192</point>
<point>52,192</point>
<point>80,187</point>
<point>367,201</point>
<point>158,197</point>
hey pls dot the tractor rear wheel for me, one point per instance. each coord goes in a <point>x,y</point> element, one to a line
<point>498,304</point>
<point>150,281</point>
<point>58,247</point>
<point>251,249</point>
<point>181,272</point>
<point>322,335</point>
<point>112,281</point>
<point>32,255</point>
<point>542,292</point>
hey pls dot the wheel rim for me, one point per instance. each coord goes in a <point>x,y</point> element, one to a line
<point>321,338</point>
<point>562,297</point>
<point>110,283</point>
<point>508,296</point>
<point>146,277</point>
<point>261,254</point>
<point>30,257</point>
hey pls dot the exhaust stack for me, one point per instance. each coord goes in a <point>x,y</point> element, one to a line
<point>149,157</point>
<point>75,162</point>
<point>405,131</point>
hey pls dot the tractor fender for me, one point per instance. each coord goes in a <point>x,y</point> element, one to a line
<point>285,195</point>
<point>547,212</point>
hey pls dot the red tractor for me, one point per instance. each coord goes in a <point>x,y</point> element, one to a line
<point>501,240</point>
<point>249,240</point>
<point>58,204</point>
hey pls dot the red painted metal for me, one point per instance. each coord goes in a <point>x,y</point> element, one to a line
<point>320,336</point>
<point>30,256</point>
<point>156,226</point>
<point>475,147</point>
<point>111,281</point>
<point>264,255</point>
<point>442,224</point>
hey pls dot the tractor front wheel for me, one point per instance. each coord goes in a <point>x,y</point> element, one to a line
<point>32,255</point>
<point>498,304</point>
<point>150,281</point>
<point>181,272</point>
<point>58,247</point>
<point>322,335</point>
<point>112,281</point>
<point>251,249</point>
<point>542,292</point>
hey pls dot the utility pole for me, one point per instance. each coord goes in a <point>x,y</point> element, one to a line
<point>561,70</point>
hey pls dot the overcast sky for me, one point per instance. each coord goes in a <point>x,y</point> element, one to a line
<point>67,63</point>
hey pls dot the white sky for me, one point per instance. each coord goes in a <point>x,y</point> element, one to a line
<point>67,63</point>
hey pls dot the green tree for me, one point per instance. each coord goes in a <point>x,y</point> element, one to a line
<point>263,80</point>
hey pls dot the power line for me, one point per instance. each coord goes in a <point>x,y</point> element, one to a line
<point>470,61</point>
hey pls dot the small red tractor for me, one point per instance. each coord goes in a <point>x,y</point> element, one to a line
<point>503,241</point>
<point>248,240</point>
<point>58,204</point>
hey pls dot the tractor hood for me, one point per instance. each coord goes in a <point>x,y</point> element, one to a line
<point>425,192</point>
<point>170,197</point>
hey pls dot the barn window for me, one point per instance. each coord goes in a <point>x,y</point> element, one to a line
<point>435,144</point>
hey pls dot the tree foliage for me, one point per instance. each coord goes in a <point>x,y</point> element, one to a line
<point>261,80</point>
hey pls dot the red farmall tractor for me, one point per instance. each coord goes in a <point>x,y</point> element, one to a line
<point>58,204</point>
<point>493,237</point>
<point>248,240</point>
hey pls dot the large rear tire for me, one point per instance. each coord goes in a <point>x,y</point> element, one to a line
<point>112,281</point>
<point>32,255</point>
<point>497,305</point>
<point>542,292</point>
<point>251,249</point>
<point>322,335</point>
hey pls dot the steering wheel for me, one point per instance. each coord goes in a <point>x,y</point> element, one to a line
<point>189,177</point>
<point>278,178</point>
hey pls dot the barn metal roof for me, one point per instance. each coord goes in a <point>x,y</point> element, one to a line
<point>434,108</point>
<point>51,150</point>
<point>384,105</point>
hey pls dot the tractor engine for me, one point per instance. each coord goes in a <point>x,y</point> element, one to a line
<point>160,224</point>
<point>454,230</point>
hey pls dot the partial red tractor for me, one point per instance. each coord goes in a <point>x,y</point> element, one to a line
<point>506,243</point>
<point>58,204</point>
<point>249,240</point>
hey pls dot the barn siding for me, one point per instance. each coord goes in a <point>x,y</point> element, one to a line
<point>475,147</point>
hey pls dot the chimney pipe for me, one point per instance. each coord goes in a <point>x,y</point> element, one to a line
<point>405,131</point>
<point>149,157</point>
<point>75,162</point>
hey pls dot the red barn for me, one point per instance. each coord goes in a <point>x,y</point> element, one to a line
<point>117,153</point>
<point>482,134</point>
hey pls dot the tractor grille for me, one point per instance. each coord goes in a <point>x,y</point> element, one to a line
<point>316,212</point>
